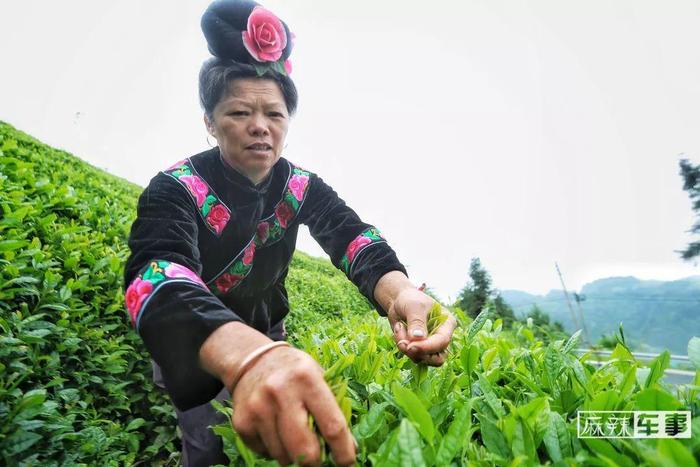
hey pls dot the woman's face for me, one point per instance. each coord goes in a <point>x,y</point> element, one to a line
<point>250,125</point>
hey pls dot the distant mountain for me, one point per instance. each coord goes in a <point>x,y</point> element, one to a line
<point>655,315</point>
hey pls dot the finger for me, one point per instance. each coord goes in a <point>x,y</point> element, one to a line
<point>264,421</point>
<point>400,336</point>
<point>255,444</point>
<point>267,430</point>
<point>248,434</point>
<point>331,422</point>
<point>416,318</point>
<point>297,438</point>
<point>436,359</point>
<point>435,343</point>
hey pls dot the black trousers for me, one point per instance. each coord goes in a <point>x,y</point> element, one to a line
<point>201,447</point>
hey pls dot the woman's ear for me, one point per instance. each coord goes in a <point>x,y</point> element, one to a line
<point>209,124</point>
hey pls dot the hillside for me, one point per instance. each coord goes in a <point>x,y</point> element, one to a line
<point>75,382</point>
<point>656,315</point>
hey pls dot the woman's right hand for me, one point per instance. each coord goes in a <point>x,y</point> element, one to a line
<point>274,397</point>
<point>272,402</point>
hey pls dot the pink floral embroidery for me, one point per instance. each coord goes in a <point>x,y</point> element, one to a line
<point>265,37</point>
<point>227,281</point>
<point>355,245</point>
<point>249,253</point>
<point>284,213</point>
<point>218,217</point>
<point>135,295</point>
<point>263,231</point>
<point>175,270</point>
<point>297,185</point>
<point>197,187</point>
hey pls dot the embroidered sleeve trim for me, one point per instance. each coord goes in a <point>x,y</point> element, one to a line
<point>152,277</point>
<point>213,211</point>
<point>235,272</point>
<point>369,237</point>
<point>269,231</point>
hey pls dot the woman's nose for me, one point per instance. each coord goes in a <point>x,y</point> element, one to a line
<point>258,125</point>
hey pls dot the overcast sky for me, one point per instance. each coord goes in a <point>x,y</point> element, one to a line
<point>522,133</point>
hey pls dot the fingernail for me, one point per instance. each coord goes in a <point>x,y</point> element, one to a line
<point>417,333</point>
<point>397,328</point>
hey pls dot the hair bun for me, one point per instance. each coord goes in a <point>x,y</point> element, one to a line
<point>233,32</point>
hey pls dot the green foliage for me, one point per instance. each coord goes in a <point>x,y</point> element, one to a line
<point>332,296</point>
<point>503,398</point>
<point>473,297</point>
<point>539,322</point>
<point>75,383</point>
<point>478,293</point>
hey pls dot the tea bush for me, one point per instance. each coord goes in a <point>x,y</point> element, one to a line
<point>504,398</point>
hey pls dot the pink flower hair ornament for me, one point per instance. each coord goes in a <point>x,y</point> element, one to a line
<point>246,32</point>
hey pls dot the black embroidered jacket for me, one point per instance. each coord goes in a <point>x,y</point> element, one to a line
<point>209,247</point>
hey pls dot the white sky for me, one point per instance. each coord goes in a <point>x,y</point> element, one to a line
<point>520,132</point>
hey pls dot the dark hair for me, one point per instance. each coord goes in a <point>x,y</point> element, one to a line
<point>218,73</point>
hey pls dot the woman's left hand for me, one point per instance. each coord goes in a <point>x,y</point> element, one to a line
<point>408,317</point>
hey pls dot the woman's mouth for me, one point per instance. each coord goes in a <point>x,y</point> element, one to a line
<point>259,147</point>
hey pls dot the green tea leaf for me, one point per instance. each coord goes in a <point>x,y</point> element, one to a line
<point>536,408</point>
<point>435,318</point>
<point>478,323</point>
<point>673,453</point>
<point>135,424</point>
<point>493,438</point>
<point>410,452</point>
<point>627,384</point>
<point>557,439</point>
<point>455,437</point>
<point>572,342</point>
<point>19,441</point>
<point>656,399</point>
<point>416,411</point>
<point>523,443</point>
<point>490,397</point>
<point>604,400</point>
<point>657,367</point>
<point>388,452</point>
<point>32,399</point>
<point>11,245</point>
<point>553,363</point>
<point>469,358</point>
<point>371,421</point>
<point>603,449</point>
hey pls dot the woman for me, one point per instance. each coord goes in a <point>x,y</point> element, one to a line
<point>211,247</point>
